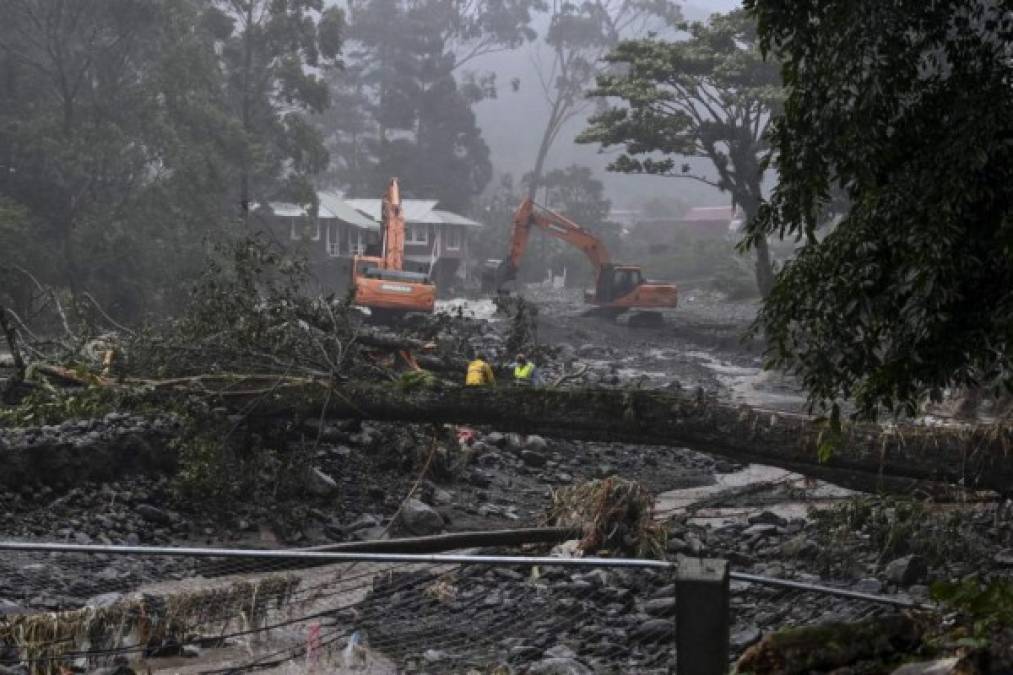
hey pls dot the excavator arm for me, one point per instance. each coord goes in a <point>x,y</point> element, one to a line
<point>529,215</point>
<point>393,223</point>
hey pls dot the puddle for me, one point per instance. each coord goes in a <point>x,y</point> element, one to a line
<point>677,501</point>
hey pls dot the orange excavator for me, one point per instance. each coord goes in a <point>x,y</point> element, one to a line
<point>382,284</point>
<point>617,289</point>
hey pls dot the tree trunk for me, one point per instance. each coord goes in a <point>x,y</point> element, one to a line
<point>764,268</point>
<point>868,457</point>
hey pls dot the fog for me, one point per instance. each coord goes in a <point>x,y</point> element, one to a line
<point>512,124</point>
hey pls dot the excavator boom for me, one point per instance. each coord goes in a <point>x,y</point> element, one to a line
<point>617,287</point>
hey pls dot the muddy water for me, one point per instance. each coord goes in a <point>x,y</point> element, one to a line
<point>751,385</point>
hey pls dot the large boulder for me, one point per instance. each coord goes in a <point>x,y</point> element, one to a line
<point>907,570</point>
<point>420,519</point>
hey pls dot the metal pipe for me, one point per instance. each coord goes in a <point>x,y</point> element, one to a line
<point>828,590</point>
<point>333,557</point>
<point>322,556</point>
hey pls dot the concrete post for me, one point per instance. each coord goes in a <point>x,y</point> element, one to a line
<point>702,621</point>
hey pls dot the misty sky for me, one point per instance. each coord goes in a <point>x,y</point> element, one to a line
<point>512,126</point>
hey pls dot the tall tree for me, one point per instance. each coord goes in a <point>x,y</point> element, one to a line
<point>112,137</point>
<point>272,51</point>
<point>407,94</point>
<point>905,107</point>
<point>580,34</point>
<point>712,96</point>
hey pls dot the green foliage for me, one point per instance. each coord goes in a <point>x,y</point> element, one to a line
<point>248,312</point>
<point>894,527</point>
<point>988,604</point>
<point>905,109</point>
<point>128,129</point>
<point>711,96</point>
<point>417,379</point>
<point>43,407</point>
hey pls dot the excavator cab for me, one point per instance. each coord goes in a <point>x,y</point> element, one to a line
<point>616,281</point>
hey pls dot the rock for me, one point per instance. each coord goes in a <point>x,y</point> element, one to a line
<point>441,496</point>
<point>907,570</point>
<point>9,608</point>
<point>153,515</point>
<point>654,630</point>
<point>533,459</point>
<point>745,637</point>
<point>536,443</point>
<point>420,519</point>
<point>948,666</point>
<point>514,443</point>
<point>768,518</point>
<point>320,484</point>
<point>560,652</point>
<point>495,438</point>
<point>799,547</point>
<point>559,666</point>
<point>759,530</point>
<point>434,656</point>
<point>524,653</point>
<point>104,600</point>
<point>871,586</point>
<point>1004,557</point>
<point>660,606</point>
<point>676,545</point>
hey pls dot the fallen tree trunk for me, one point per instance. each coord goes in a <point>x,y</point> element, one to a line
<point>868,457</point>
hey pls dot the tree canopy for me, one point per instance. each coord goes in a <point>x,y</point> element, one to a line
<point>130,130</point>
<point>906,108</point>
<point>406,97</point>
<point>711,96</point>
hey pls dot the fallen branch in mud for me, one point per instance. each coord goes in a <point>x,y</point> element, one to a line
<point>141,622</point>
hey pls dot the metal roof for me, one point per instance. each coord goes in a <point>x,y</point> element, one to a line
<point>332,205</point>
<point>286,210</point>
<point>451,218</point>
<point>415,210</point>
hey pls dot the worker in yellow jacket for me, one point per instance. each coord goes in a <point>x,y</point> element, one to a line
<point>479,373</point>
<point>524,370</point>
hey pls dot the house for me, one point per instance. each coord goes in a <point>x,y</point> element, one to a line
<point>436,241</point>
<point>716,221</point>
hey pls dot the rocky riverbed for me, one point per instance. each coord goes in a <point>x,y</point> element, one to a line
<point>344,481</point>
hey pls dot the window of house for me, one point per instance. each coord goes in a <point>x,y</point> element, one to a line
<point>418,234</point>
<point>333,240</point>
<point>356,243</point>
<point>452,237</point>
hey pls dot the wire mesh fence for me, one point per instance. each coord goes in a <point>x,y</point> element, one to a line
<point>189,611</point>
<point>374,616</point>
